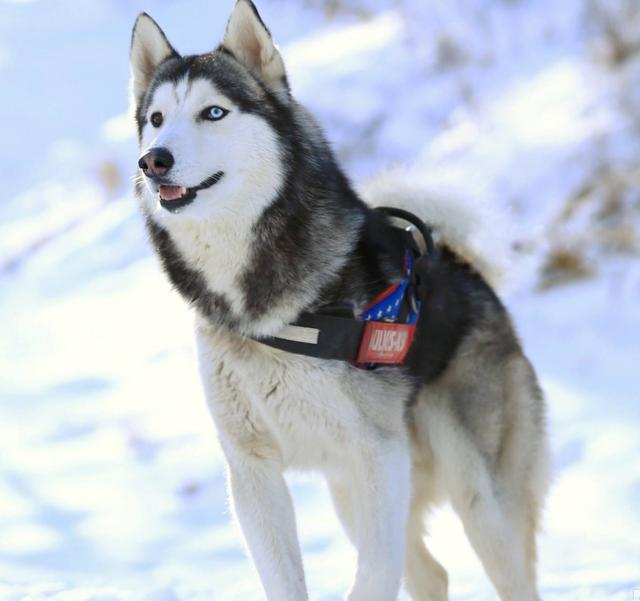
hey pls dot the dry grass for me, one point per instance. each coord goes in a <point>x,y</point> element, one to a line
<point>617,25</point>
<point>110,177</point>
<point>601,218</point>
<point>564,265</point>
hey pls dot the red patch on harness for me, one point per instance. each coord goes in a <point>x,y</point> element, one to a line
<point>386,342</point>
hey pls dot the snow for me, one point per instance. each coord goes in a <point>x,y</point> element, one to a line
<point>112,484</point>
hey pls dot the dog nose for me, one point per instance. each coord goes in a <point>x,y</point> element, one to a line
<point>156,162</point>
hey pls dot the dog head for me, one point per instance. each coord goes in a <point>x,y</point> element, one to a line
<point>208,124</point>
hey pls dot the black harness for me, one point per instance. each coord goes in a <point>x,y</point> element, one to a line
<point>381,334</point>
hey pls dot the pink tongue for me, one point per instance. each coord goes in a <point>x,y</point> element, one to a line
<point>172,192</point>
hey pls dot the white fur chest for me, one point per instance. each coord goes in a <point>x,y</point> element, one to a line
<point>302,412</point>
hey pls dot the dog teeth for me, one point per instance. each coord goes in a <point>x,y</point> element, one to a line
<point>172,192</point>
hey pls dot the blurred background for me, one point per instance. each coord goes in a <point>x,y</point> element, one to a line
<point>111,481</point>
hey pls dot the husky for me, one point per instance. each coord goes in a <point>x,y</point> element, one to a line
<point>255,223</point>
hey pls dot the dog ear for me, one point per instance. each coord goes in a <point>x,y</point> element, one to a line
<point>249,40</point>
<point>149,47</point>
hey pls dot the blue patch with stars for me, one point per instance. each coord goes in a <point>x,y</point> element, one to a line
<point>387,305</point>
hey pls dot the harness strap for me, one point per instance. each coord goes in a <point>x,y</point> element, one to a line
<point>322,336</point>
<point>383,334</point>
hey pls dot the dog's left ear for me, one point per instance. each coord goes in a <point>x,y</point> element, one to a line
<point>249,40</point>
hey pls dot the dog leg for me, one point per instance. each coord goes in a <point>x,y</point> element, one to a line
<point>499,543</point>
<point>341,495</point>
<point>380,486</point>
<point>496,534</point>
<point>425,578</point>
<point>264,509</point>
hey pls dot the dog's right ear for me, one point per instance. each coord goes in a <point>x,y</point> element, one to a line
<point>149,47</point>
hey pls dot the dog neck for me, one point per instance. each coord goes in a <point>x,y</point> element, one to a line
<point>315,243</point>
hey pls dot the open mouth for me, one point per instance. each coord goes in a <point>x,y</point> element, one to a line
<point>173,198</point>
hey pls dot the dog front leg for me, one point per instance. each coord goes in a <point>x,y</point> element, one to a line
<point>381,492</point>
<point>264,509</point>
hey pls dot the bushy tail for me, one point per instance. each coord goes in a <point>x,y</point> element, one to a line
<point>465,225</point>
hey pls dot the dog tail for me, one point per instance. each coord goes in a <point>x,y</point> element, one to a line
<point>467,227</point>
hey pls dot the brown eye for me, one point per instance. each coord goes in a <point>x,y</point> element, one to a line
<point>156,119</point>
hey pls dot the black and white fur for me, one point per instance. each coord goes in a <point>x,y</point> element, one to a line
<point>282,231</point>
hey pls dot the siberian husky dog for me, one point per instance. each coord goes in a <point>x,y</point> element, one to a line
<point>254,222</point>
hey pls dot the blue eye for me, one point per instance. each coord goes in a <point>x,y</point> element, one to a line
<point>214,113</point>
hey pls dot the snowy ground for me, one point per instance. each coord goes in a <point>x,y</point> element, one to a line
<point>112,484</point>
